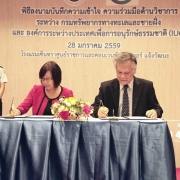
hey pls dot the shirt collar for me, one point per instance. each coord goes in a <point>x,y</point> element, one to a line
<point>130,84</point>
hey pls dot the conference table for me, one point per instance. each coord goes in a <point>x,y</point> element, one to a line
<point>33,148</point>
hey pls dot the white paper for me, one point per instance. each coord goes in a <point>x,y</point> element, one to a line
<point>21,116</point>
<point>41,116</point>
<point>6,117</point>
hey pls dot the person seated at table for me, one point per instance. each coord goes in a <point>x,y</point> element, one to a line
<point>41,97</point>
<point>126,95</point>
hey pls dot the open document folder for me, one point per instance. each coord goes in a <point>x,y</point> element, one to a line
<point>136,118</point>
<point>12,117</point>
<point>27,116</point>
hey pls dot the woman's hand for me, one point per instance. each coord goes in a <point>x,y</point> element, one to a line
<point>14,112</point>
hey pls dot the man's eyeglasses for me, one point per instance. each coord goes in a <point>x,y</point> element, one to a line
<point>46,79</point>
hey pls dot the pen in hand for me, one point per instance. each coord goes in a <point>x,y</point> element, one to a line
<point>11,107</point>
<point>101,103</point>
<point>102,110</point>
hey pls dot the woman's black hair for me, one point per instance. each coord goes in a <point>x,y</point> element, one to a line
<point>55,70</point>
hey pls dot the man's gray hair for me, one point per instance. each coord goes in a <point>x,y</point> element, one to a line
<point>124,57</point>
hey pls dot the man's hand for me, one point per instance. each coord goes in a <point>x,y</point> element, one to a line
<point>151,114</point>
<point>102,112</point>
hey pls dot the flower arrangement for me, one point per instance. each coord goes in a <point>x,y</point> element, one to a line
<point>71,108</point>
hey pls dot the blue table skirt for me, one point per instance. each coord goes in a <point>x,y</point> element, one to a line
<point>85,150</point>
